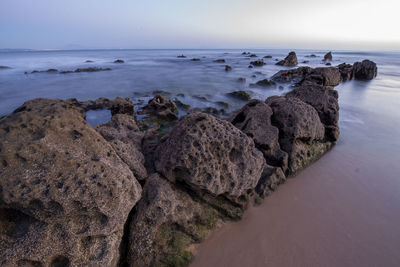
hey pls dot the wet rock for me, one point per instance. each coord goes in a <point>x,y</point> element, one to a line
<point>264,83</point>
<point>290,60</point>
<point>324,76</point>
<point>253,55</point>
<point>254,119</point>
<point>181,56</point>
<point>167,220</point>
<point>125,137</point>
<point>291,75</point>
<point>214,111</point>
<point>346,71</point>
<point>312,55</point>
<point>305,61</point>
<point>246,53</point>
<point>221,60</point>
<point>161,108</point>
<point>271,178</point>
<point>200,97</point>
<point>89,61</point>
<point>228,68</point>
<point>258,63</point>
<point>365,70</point>
<point>223,104</point>
<point>268,56</point>
<point>119,61</point>
<point>195,59</point>
<point>181,105</point>
<point>301,133</point>
<point>62,187</point>
<point>211,155</point>
<point>94,69</point>
<point>328,64</point>
<point>242,95</point>
<point>328,56</point>
<point>325,102</point>
<point>4,67</point>
<point>118,105</point>
<point>250,67</point>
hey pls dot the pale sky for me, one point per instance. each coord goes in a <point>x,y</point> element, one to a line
<point>338,24</point>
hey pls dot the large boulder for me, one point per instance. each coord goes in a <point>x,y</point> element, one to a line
<point>161,108</point>
<point>291,75</point>
<point>125,137</point>
<point>211,155</point>
<point>301,132</point>
<point>325,102</point>
<point>65,194</point>
<point>166,221</point>
<point>290,60</point>
<point>365,70</point>
<point>329,76</point>
<point>346,71</point>
<point>254,119</point>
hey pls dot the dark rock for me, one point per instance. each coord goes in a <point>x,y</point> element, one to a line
<point>250,66</point>
<point>213,111</point>
<point>4,67</point>
<point>301,133</point>
<point>66,72</point>
<point>211,155</point>
<point>328,64</point>
<point>242,95</point>
<point>195,59</point>
<point>94,69</point>
<point>223,104</point>
<point>271,178</point>
<point>200,97</point>
<point>291,75</point>
<point>305,61</point>
<point>268,56</point>
<point>52,70</point>
<point>258,63</point>
<point>118,105</point>
<point>181,105</point>
<point>328,56</point>
<point>290,60</point>
<point>365,70</point>
<point>253,55</point>
<point>119,61</point>
<point>66,194</point>
<point>181,56</point>
<point>346,71</point>
<point>312,55</point>
<point>89,61</point>
<point>323,76</point>
<point>228,68</point>
<point>254,119</point>
<point>264,83</point>
<point>220,60</point>
<point>161,108</point>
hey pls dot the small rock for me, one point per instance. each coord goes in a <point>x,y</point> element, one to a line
<point>181,56</point>
<point>328,56</point>
<point>228,68</point>
<point>290,60</point>
<point>220,60</point>
<point>242,95</point>
<point>195,59</point>
<point>258,63</point>
<point>119,61</point>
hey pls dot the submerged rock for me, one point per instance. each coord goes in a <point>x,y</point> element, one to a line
<point>93,69</point>
<point>264,83</point>
<point>268,56</point>
<point>365,70</point>
<point>211,155</point>
<point>242,95</point>
<point>181,105</point>
<point>301,133</point>
<point>290,60</point>
<point>65,193</point>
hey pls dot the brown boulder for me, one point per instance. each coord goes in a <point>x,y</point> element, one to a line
<point>290,60</point>
<point>161,108</point>
<point>329,76</point>
<point>210,155</point>
<point>301,132</point>
<point>365,70</point>
<point>346,71</point>
<point>65,193</point>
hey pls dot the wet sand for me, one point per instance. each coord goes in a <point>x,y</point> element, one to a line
<point>344,210</point>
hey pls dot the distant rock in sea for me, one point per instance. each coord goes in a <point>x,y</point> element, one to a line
<point>290,60</point>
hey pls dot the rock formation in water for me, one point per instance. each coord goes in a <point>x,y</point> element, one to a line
<point>290,60</point>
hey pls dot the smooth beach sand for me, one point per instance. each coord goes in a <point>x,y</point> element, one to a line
<point>344,210</point>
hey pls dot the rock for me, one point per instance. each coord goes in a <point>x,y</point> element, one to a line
<point>167,220</point>
<point>242,80</point>
<point>291,75</point>
<point>88,61</point>
<point>52,70</point>
<point>328,64</point>
<point>290,60</point>
<point>118,105</point>
<point>119,61</point>
<point>200,97</point>
<point>324,76</point>
<point>268,56</point>
<point>211,155</point>
<point>246,53</point>
<point>181,105</point>
<point>66,72</point>
<point>328,56</point>
<point>325,102</point>
<point>301,132</point>
<point>254,119</point>
<point>195,59</point>
<point>65,193</point>
<point>221,60</point>
<point>181,56</point>
<point>264,83</point>
<point>213,111</point>
<point>346,71</point>
<point>242,95</point>
<point>271,178</point>
<point>250,67</point>
<point>305,61</point>
<point>94,69</point>
<point>125,137</point>
<point>258,63</point>
<point>365,70</point>
<point>4,67</point>
<point>161,108</point>
<point>228,68</point>
<point>223,104</point>
<point>312,55</point>
<point>253,55</point>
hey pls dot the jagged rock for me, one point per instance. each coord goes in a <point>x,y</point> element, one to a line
<point>301,133</point>
<point>323,76</point>
<point>126,139</point>
<point>271,178</point>
<point>365,70</point>
<point>65,193</point>
<point>166,221</point>
<point>291,75</point>
<point>290,60</point>
<point>328,56</point>
<point>209,154</point>
<point>254,119</point>
<point>258,63</point>
<point>346,71</point>
<point>325,102</point>
<point>161,108</point>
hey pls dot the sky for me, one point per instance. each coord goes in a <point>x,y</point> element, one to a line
<point>84,24</point>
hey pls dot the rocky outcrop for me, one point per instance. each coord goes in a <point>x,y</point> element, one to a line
<point>365,70</point>
<point>346,71</point>
<point>325,102</point>
<point>211,155</point>
<point>301,133</point>
<point>166,221</point>
<point>328,56</point>
<point>241,95</point>
<point>329,76</point>
<point>290,60</point>
<point>291,75</point>
<point>65,193</point>
<point>254,119</point>
<point>161,108</point>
